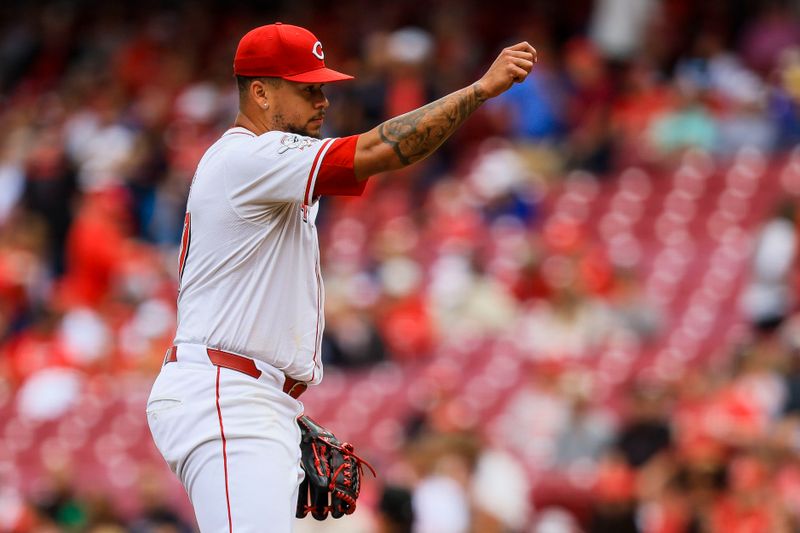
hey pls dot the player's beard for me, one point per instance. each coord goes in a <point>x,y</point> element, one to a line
<point>315,134</point>
<point>311,133</point>
<point>304,130</point>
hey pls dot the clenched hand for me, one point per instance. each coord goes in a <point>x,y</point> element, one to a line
<point>512,66</point>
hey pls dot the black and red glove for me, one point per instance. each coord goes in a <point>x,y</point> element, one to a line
<point>333,473</point>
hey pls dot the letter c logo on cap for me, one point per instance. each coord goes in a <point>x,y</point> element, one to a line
<point>317,51</point>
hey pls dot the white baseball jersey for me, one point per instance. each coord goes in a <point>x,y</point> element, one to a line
<point>250,279</point>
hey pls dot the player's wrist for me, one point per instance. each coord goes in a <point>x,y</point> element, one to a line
<point>479,90</point>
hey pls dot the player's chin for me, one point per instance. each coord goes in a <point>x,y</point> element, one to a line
<point>314,129</point>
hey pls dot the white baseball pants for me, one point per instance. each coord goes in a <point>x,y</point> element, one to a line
<point>231,439</point>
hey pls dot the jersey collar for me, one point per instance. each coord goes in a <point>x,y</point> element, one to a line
<point>239,129</point>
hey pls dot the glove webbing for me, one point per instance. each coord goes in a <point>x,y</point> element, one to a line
<point>347,450</point>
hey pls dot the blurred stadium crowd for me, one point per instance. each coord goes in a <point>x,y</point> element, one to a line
<point>578,316</point>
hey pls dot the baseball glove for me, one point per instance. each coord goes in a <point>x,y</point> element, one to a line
<point>333,473</point>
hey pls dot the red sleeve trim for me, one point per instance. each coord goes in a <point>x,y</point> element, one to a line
<point>336,174</point>
<point>312,174</point>
<point>185,241</point>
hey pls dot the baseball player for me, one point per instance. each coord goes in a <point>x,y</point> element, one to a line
<point>223,411</point>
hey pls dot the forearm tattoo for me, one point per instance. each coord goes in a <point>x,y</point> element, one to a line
<point>417,134</point>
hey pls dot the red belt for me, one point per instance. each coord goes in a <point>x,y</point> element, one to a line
<point>245,365</point>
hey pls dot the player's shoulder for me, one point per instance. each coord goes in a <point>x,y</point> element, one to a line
<point>269,143</point>
<point>292,141</point>
<point>236,136</point>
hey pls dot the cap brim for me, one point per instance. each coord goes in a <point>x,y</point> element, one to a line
<point>320,75</point>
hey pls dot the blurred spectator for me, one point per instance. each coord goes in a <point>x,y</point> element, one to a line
<point>749,506</point>
<point>102,518</point>
<point>500,491</point>
<point>500,177</point>
<point>615,498</point>
<point>351,339</point>
<point>99,144</point>
<point>588,111</point>
<point>555,520</point>
<point>49,393</point>
<point>618,27</point>
<point>396,514</point>
<point>440,499</point>
<point>774,29</point>
<point>785,98</point>
<point>768,297</point>
<point>407,51</point>
<point>49,191</point>
<point>688,123</point>
<point>24,277</point>
<point>643,97</point>
<point>405,320</point>
<point>62,506</point>
<point>95,245</point>
<point>12,175</point>
<point>585,436</point>
<point>791,377</point>
<point>535,415</point>
<point>737,92</point>
<point>467,301</point>
<point>747,125</point>
<point>569,326</point>
<point>34,348</point>
<point>646,431</point>
<point>16,515</point>
<point>632,309</point>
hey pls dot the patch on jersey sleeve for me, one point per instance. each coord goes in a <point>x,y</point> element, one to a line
<point>295,142</point>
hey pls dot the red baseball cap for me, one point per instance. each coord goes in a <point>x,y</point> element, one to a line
<point>284,51</point>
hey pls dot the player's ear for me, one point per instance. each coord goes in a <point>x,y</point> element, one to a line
<point>260,94</point>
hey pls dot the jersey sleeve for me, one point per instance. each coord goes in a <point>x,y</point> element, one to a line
<point>337,175</point>
<point>277,168</point>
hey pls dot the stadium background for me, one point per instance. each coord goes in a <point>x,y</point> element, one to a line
<point>579,315</point>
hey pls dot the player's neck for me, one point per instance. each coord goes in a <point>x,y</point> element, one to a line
<point>244,120</point>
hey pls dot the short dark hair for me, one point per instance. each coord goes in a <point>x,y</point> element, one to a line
<point>243,82</point>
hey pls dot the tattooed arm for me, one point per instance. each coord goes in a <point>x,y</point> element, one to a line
<point>409,138</point>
